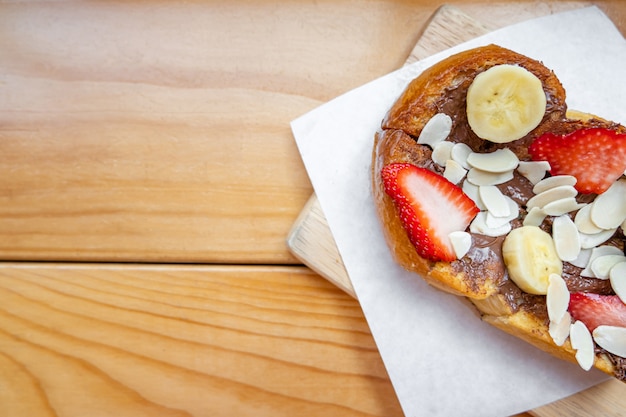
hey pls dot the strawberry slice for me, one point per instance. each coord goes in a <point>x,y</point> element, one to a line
<point>595,156</point>
<point>430,208</point>
<point>595,309</point>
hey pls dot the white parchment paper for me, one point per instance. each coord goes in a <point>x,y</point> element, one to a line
<point>442,360</point>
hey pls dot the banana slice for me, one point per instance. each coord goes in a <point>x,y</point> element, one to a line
<point>530,257</point>
<point>505,103</point>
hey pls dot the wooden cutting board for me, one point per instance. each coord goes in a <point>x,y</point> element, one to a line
<point>311,240</point>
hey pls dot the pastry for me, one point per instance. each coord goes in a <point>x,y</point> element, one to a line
<point>489,188</point>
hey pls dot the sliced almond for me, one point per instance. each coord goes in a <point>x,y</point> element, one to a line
<point>461,243</point>
<point>436,130</point>
<point>480,177</point>
<point>562,206</point>
<point>534,217</point>
<point>553,182</point>
<point>502,160</point>
<point>596,252</point>
<point>479,225</point>
<point>581,341</point>
<point>460,152</point>
<point>454,172</point>
<point>601,266</point>
<point>534,171</point>
<point>559,331</point>
<point>496,222</point>
<point>583,221</point>
<point>441,153</point>
<point>566,238</point>
<point>596,239</point>
<point>612,339</point>
<point>557,298</point>
<point>618,280</point>
<point>494,200</point>
<point>471,191</point>
<point>609,208</point>
<point>582,260</point>
<point>553,194</point>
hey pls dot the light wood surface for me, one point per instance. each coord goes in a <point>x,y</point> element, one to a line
<point>139,136</point>
<point>78,340</point>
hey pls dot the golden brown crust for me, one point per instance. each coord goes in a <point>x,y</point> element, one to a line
<point>528,327</point>
<point>518,324</point>
<point>442,88</point>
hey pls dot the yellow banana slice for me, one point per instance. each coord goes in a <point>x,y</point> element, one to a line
<point>530,257</point>
<point>505,103</point>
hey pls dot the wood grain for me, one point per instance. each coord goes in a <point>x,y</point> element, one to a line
<point>172,340</point>
<point>158,131</point>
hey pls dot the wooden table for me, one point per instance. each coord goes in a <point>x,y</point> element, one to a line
<point>148,181</point>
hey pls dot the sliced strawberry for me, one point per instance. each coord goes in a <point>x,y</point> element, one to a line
<point>595,156</point>
<point>430,207</point>
<point>595,309</point>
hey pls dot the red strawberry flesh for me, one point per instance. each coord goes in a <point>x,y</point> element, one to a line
<point>595,156</point>
<point>595,310</point>
<point>430,208</point>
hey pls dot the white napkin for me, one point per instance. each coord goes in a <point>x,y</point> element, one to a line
<point>441,358</point>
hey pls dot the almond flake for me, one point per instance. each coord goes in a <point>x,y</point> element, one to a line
<point>596,239</point>
<point>441,153</point>
<point>460,152</point>
<point>581,341</point>
<point>553,182</point>
<point>562,206</point>
<point>534,217</point>
<point>601,266</point>
<point>582,260</point>
<point>566,238</point>
<point>454,172</point>
<point>494,200</point>
<point>609,208</point>
<point>461,243</point>
<point>496,222</point>
<point>534,171</point>
<point>479,225</point>
<point>553,194</point>
<point>612,339</point>
<point>480,177</point>
<point>559,331</point>
<point>583,221</point>
<point>618,280</point>
<point>436,130</point>
<point>502,160</point>
<point>596,252</point>
<point>471,191</point>
<point>557,298</point>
